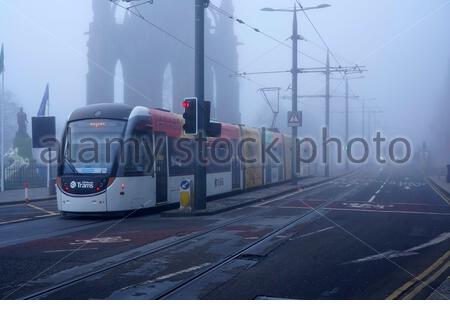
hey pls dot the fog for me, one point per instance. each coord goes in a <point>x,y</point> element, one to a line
<point>404,45</point>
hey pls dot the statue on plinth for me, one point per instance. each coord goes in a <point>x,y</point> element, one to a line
<point>22,141</point>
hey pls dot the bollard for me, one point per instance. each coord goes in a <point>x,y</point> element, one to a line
<point>448,173</point>
<point>186,195</point>
<point>26,186</point>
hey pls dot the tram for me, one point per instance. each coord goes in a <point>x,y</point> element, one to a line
<point>116,158</point>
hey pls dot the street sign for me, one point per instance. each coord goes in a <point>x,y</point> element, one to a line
<point>185,185</point>
<point>43,132</point>
<point>294,119</point>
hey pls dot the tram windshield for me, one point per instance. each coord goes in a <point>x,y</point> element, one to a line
<point>91,146</point>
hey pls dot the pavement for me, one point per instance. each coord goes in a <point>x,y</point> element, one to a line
<point>440,182</point>
<point>42,206</point>
<point>380,233</point>
<point>18,196</point>
<point>235,201</point>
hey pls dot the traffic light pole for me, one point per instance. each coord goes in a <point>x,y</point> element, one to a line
<point>346,123</point>
<point>295,72</point>
<point>327,113</point>
<point>199,169</point>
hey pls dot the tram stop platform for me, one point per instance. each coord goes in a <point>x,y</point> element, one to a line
<point>236,201</point>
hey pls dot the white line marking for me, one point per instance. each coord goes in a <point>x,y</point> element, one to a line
<point>270,298</point>
<point>104,240</point>
<point>14,221</point>
<point>168,276</point>
<point>441,238</point>
<point>405,253</point>
<point>384,255</point>
<point>69,250</point>
<point>314,232</point>
<point>171,275</point>
<point>48,215</point>
<point>372,199</point>
<point>41,209</point>
<point>370,211</point>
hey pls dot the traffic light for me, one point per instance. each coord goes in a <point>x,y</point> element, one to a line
<point>213,129</point>
<point>190,116</point>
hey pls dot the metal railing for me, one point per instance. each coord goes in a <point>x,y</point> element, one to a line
<point>34,175</point>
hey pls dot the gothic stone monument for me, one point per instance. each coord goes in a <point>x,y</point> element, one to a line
<point>147,55</point>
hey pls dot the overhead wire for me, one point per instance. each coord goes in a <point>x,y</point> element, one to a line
<point>258,30</point>
<point>139,15</point>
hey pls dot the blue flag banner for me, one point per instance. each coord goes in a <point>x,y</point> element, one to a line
<point>44,102</point>
<point>2,60</point>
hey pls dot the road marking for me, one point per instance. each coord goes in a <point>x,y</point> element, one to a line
<point>70,250</point>
<point>420,277</point>
<point>358,205</point>
<point>168,276</point>
<point>171,275</point>
<point>439,239</point>
<point>12,205</point>
<point>384,211</point>
<point>372,199</point>
<point>314,232</point>
<point>367,208</point>
<point>14,221</point>
<point>42,209</point>
<point>427,282</point>
<point>271,298</point>
<point>390,254</point>
<point>104,240</point>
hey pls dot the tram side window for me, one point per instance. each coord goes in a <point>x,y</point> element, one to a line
<point>139,159</point>
<point>181,163</point>
<point>219,164</point>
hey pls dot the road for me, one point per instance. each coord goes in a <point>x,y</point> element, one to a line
<point>380,233</point>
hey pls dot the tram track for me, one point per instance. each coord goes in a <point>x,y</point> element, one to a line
<point>210,269</point>
<point>70,282</point>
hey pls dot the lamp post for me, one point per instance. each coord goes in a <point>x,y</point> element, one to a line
<point>295,71</point>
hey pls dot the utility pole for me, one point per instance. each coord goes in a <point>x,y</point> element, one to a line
<point>327,111</point>
<point>364,119</point>
<point>295,72</point>
<point>2,123</point>
<point>199,168</point>
<point>346,123</point>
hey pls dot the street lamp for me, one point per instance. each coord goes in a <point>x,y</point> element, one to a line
<point>320,6</point>
<point>295,72</point>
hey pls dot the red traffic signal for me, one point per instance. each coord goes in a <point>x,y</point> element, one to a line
<point>190,116</point>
